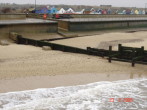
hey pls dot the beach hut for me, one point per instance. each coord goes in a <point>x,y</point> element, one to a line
<point>143,12</point>
<point>124,12</point>
<point>136,12</point>
<point>87,11</point>
<point>114,11</point>
<point>80,11</point>
<point>46,10</point>
<point>53,10</point>
<point>109,11</point>
<point>99,11</point>
<point>140,12</point>
<point>132,11</point>
<point>120,12</point>
<point>92,11</point>
<point>61,11</point>
<point>128,11</point>
<point>70,10</point>
<point>104,12</point>
<point>42,10</point>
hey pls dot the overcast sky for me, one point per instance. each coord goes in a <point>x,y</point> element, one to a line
<point>124,3</point>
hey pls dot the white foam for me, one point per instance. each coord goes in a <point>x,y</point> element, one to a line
<point>94,96</point>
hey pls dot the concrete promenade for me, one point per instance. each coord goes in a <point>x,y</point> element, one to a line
<point>28,26</point>
<point>105,19</point>
<point>26,21</point>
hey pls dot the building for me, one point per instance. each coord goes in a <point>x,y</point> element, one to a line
<point>109,11</point>
<point>46,10</point>
<point>89,11</point>
<point>99,11</point>
<point>80,11</point>
<point>136,12</point>
<point>30,10</point>
<point>70,10</point>
<point>61,11</point>
<point>53,10</point>
<point>42,10</point>
<point>93,11</point>
<point>104,12</point>
<point>132,11</point>
<point>120,11</point>
<point>128,11</point>
<point>143,12</point>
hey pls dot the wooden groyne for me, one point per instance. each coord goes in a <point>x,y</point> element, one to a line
<point>124,54</point>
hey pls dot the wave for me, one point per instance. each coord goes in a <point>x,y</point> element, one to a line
<point>94,96</point>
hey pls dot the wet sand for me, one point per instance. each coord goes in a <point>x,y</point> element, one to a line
<point>34,82</point>
<point>27,67</point>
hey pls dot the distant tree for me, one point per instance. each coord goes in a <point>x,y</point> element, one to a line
<point>6,10</point>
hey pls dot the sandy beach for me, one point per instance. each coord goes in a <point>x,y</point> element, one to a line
<point>24,67</point>
<point>136,39</point>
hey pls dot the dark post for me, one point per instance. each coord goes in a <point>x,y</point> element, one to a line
<point>75,50</point>
<point>133,55</point>
<point>52,46</point>
<point>88,48</point>
<point>36,43</point>
<point>63,48</point>
<point>110,50</point>
<point>142,48</point>
<point>133,63</point>
<point>120,50</point>
<point>26,41</point>
<point>18,39</point>
<point>142,52</point>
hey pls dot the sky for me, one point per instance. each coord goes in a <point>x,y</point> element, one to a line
<point>119,3</point>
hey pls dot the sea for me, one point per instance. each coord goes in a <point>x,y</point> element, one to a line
<point>117,95</point>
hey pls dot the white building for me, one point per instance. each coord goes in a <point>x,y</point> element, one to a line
<point>70,10</point>
<point>143,12</point>
<point>61,11</point>
<point>80,12</point>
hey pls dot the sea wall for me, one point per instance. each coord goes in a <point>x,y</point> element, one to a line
<point>12,16</point>
<point>104,16</point>
<point>99,25</point>
<point>29,28</point>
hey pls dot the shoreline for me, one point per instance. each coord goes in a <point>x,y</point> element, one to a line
<point>38,82</point>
